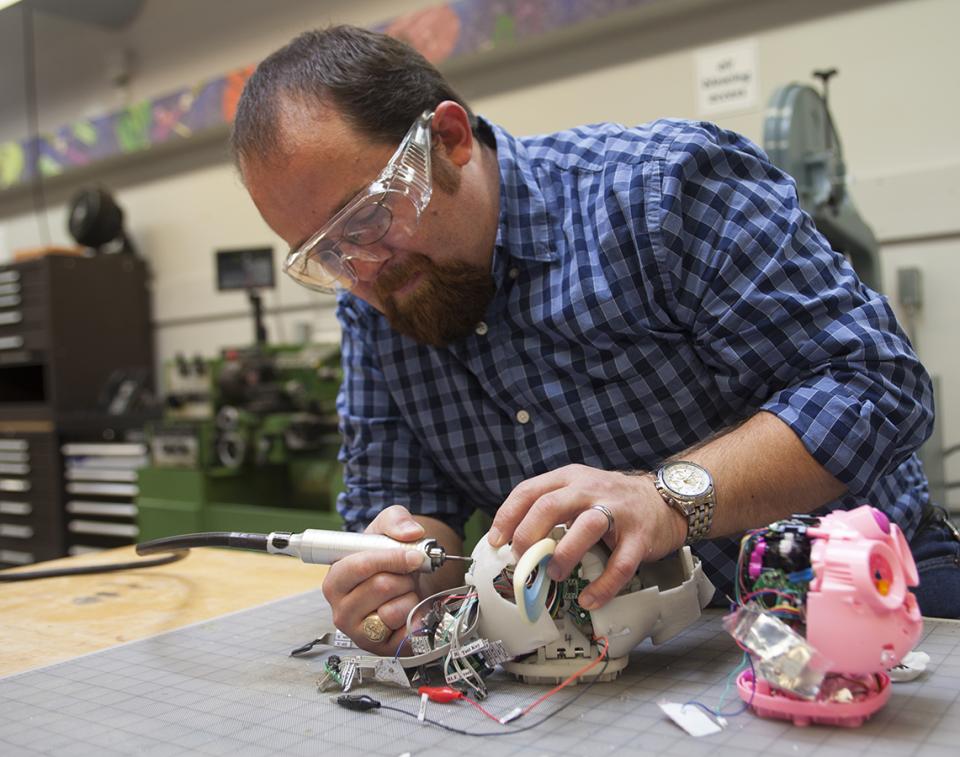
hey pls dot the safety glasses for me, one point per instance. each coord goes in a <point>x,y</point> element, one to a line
<point>392,205</point>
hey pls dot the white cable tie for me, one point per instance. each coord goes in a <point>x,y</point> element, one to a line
<point>456,676</point>
<point>468,649</point>
<point>340,639</point>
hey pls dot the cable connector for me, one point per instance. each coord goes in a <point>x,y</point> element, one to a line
<point>442,694</point>
<point>357,702</point>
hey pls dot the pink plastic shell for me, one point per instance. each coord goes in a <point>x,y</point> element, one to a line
<point>767,703</point>
<point>860,615</point>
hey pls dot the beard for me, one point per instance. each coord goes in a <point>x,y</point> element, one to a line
<point>444,306</point>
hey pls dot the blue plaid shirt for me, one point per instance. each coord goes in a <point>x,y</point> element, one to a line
<point>654,285</point>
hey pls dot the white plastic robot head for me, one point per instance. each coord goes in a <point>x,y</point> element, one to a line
<point>529,613</point>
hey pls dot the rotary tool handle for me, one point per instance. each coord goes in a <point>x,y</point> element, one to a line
<point>326,547</point>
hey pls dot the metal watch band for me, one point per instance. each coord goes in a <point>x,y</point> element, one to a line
<point>699,520</point>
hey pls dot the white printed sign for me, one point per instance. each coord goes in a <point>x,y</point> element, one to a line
<point>727,78</point>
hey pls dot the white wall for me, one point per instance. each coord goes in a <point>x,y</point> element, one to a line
<point>896,104</point>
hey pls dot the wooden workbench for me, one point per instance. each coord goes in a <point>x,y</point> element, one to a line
<point>54,619</point>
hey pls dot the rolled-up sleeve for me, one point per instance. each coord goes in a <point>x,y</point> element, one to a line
<point>782,320</point>
<point>384,463</point>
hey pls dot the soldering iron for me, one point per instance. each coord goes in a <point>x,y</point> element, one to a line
<point>312,546</point>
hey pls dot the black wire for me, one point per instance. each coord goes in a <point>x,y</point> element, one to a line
<point>950,451</point>
<point>6,577</point>
<point>236,539</point>
<point>178,546</point>
<point>511,731</point>
<point>33,126</point>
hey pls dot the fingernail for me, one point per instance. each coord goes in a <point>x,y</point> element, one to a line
<point>587,601</point>
<point>494,537</point>
<point>554,572</point>
<point>414,560</point>
<point>410,527</point>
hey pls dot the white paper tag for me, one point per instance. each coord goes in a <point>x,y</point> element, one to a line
<point>421,714</point>
<point>911,666</point>
<point>515,713</point>
<point>692,719</point>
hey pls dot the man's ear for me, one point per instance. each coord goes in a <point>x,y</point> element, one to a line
<point>451,132</point>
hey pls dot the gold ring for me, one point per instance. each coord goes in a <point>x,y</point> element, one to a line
<point>610,522</point>
<point>375,629</point>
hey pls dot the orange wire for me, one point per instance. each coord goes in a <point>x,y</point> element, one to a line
<point>583,671</point>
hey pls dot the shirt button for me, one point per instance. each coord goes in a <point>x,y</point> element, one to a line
<point>513,273</point>
<point>481,328</point>
<point>523,416</point>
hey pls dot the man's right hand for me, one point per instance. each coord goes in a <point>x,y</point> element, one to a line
<point>385,583</point>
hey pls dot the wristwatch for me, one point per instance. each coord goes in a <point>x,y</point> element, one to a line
<point>688,489</point>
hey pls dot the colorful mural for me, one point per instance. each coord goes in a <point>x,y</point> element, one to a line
<point>441,33</point>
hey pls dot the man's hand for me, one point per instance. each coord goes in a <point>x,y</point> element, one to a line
<point>646,528</point>
<point>382,582</point>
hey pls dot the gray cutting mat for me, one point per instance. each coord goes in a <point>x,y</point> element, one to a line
<point>227,686</point>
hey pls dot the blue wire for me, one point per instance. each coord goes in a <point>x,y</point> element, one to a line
<point>744,706</point>
<point>412,633</point>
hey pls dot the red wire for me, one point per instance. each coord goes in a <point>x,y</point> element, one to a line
<point>457,596</point>
<point>479,707</point>
<point>583,671</point>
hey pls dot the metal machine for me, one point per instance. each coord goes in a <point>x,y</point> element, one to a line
<point>249,439</point>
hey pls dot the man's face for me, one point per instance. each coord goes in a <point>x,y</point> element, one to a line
<point>432,284</point>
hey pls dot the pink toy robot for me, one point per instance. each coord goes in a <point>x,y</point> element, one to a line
<point>824,612</point>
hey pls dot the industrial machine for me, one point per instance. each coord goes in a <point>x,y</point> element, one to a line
<point>800,138</point>
<point>249,439</point>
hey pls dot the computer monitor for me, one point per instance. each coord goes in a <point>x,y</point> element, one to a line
<point>246,268</point>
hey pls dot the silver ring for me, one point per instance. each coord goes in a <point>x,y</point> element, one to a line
<point>610,521</point>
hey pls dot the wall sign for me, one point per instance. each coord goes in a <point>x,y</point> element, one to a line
<point>727,78</point>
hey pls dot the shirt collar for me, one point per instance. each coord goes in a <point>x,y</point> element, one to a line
<point>524,229</point>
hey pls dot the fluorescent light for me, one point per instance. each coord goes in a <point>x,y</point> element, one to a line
<point>7,3</point>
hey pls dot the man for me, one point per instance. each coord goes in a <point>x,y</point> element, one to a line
<point>534,326</point>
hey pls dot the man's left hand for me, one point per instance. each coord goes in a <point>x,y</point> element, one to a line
<point>645,527</point>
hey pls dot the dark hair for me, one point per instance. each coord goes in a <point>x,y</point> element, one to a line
<point>377,83</point>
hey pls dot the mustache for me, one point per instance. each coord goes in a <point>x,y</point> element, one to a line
<point>397,275</point>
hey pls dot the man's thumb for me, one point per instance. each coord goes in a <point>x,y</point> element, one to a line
<point>406,529</point>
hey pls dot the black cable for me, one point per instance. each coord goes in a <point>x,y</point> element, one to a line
<point>235,539</point>
<point>950,451</point>
<point>6,577</point>
<point>178,546</point>
<point>33,125</point>
<point>365,702</point>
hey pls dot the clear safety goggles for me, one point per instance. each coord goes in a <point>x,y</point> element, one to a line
<point>392,204</point>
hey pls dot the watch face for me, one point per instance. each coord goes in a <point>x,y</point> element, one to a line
<point>686,479</point>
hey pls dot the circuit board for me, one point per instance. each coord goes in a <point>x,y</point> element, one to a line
<point>229,686</point>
